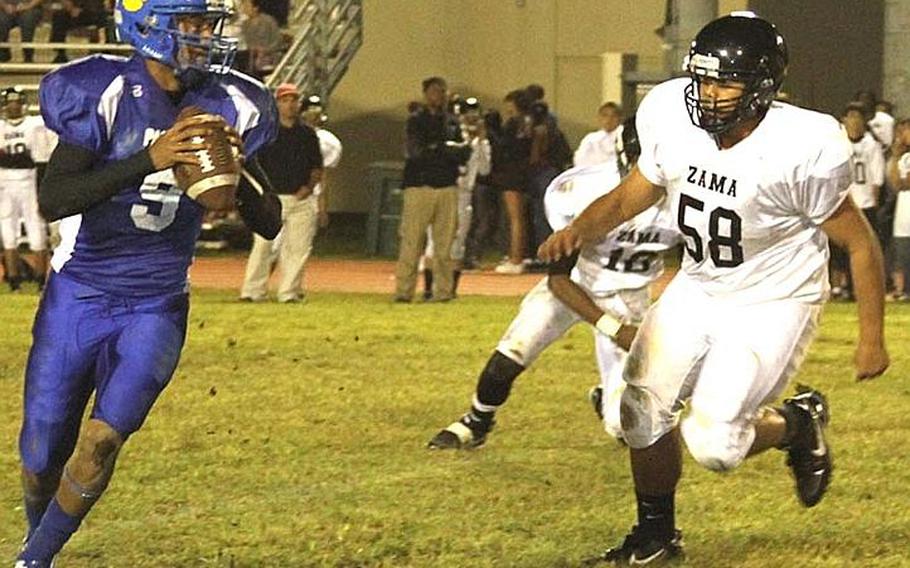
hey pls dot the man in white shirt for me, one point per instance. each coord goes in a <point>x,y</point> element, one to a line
<point>599,147</point>
<point>313,115</point>
<point>757,188</point>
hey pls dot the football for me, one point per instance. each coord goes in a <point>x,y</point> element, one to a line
<point>212,183</point>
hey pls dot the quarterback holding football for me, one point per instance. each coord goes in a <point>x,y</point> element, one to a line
<point>128,232</point>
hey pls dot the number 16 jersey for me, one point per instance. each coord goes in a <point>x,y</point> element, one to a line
<point>631,256</point>
<point>749,215</point>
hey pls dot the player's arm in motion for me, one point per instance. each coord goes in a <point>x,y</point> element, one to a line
<point>257,203</point>
<point>579,301</point>
<point>848,228</point>
<point>631,197</point>
<point>73,183</point>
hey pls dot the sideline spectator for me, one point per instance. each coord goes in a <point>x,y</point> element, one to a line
<point>23,13</point>
<point>511,162</point>
<point>473,131</point>
<point>435,151</point>
<point>485,202</point>
<point>599,147</point>
<point>899,179</point>
<point>293,163</point>
<point>263,39</point>
<point>76,14</point>
<point>233,27</point>
<point>550,155</point>
<point>868,178</point>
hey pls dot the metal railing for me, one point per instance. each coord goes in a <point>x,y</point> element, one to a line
<point>326,36</point>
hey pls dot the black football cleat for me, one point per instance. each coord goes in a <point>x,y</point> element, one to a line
<point>466,433</point>
<point>808,454</point>
<point>639,549</point>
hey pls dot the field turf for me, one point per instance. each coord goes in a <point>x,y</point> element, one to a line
<point>295,436</point>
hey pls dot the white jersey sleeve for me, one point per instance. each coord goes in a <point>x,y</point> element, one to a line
<point>649,119</point>
<point>330,147</point>
<point>823,182</point>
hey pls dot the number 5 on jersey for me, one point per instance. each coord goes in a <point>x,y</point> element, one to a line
<point>724,232</point>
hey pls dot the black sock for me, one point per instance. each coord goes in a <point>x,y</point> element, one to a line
<point>427,283</point>
<point>657,515</point>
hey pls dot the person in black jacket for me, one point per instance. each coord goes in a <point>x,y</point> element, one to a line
<point>435,150</point>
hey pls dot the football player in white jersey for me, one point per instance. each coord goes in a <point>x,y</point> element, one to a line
<point>25,146</point>
<point>757,188</point>
<point>606,284</point>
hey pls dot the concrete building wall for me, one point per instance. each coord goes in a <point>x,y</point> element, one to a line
<point>488,47</point>
<point>484,48</point>
<point>896,72</point>
<point>835,47</point>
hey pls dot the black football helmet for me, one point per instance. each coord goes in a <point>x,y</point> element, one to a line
<point>12,95</point>
<point>743,48</point>
<point>628,147</point>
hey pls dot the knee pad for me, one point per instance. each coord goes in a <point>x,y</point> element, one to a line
<point>718,446</point>
<point>496,379</point>
<point>643,419</point>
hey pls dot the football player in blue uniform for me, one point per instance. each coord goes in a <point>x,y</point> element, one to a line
<point>113,317</point>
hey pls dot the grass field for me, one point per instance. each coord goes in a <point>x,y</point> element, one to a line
<point>294,436</point>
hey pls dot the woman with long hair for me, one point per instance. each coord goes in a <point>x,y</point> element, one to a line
<point>510,175</point>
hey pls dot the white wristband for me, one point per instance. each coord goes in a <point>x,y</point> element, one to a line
<point>608,325</point>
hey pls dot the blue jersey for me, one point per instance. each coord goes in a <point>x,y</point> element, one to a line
<point>139,242</point>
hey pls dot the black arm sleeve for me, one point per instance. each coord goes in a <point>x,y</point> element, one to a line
<point>563,266</point>
<point>261,212</point>
<point>71,185</point>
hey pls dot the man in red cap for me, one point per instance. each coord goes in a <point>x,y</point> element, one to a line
<point>293,163</point>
